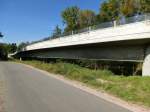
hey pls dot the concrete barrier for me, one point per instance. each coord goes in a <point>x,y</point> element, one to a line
<point>146,63</point>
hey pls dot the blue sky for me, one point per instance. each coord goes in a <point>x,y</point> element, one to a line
<point>28,20</point>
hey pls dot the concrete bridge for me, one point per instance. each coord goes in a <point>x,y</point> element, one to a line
<point>124,42</point>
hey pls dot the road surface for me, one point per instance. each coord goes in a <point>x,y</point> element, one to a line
<point>29,90</point>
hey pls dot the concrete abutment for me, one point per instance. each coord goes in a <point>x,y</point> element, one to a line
<point>146,63</point>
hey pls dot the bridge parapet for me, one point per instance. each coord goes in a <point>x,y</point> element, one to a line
<point>132,31</point>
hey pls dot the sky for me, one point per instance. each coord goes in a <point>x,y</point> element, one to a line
<point>30,20</point>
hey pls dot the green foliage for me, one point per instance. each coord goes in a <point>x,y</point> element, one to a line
<point>87,18</point>
<point>1,35</point>
<point>3,52</point>
<point>75,19</point>
<point>70,18</point>
<point>113,9</point>
<point>145,6</point>
<point>129,7</point>
<point>9,48</point>
<point>22,45</point>
<point>110,10</point>
<point>57,32</point>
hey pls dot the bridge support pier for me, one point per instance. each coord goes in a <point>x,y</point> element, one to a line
<point>146,63</point>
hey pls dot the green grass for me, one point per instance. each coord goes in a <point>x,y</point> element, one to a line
<point>135,89</point>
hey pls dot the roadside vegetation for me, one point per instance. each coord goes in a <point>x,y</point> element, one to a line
<point>135,89</point>
<point>6,49</point>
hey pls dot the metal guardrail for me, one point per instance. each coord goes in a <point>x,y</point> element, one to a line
<point>121,21</point>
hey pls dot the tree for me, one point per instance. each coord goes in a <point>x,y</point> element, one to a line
<point>129,7</point>
<point>70,18</point>
<point>109,10</point>
<point>10,48</point>
<point>87,18</point>
<point>22,45</point>
<point>3,52</point>
<point>57,32</point>
<point>7,48</point>
<point>1,35</point>
<point>13,48</point>
<point>145,6</point>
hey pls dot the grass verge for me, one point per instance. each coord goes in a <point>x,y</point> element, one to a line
<point>135,89</point>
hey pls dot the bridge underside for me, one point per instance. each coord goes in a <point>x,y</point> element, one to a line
<point>119,51</point>
<point>135,51</point>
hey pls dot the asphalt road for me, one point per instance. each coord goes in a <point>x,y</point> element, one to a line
<point>29,90</point>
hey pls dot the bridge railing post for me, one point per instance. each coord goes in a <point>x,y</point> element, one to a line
<point>89,28</point>
<point>115,23</point>
<point>147,19</point>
